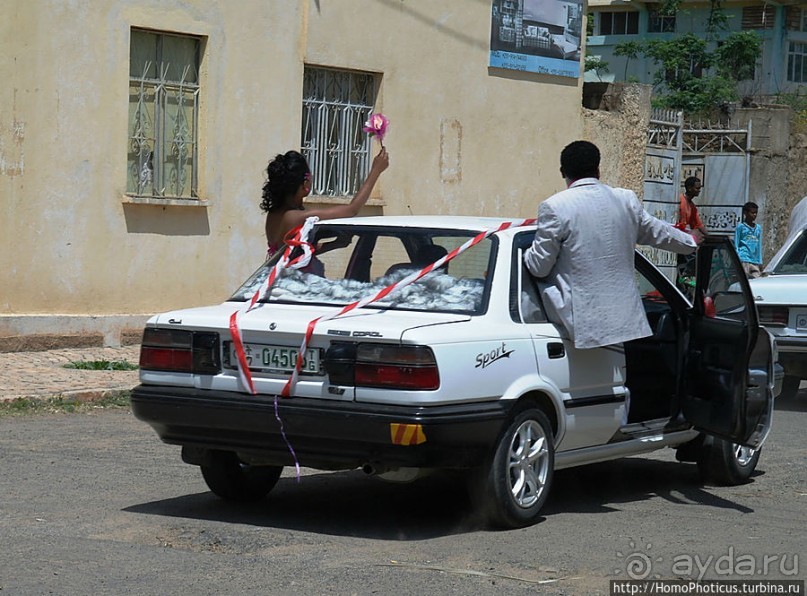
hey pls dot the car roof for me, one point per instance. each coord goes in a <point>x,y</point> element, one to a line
<point>446,222</point>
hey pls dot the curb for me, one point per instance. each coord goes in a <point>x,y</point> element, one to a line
<point>77,395</point>
<point>43,342</point>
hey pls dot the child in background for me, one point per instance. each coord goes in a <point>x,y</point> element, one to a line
<point>748,241</point>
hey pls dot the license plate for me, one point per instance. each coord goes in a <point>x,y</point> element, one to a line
<point>262,358</point>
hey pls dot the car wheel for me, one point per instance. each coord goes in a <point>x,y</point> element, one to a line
<point>230,478</point>
<point>790,387</point>
<point>727,463</point>
<point>513,487</point>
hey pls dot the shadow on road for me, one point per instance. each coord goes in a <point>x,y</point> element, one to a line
<point>340,503</point>
<point>600,488</point>
<point>797,403</point>
<point>352,504</point>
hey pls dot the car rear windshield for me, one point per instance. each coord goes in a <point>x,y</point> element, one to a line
<point>351,263</point>
<point>795,260</point>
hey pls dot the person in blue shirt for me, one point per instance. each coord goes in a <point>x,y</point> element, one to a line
<point>748,241</point>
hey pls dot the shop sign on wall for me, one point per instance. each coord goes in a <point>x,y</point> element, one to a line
<point>541,36</point>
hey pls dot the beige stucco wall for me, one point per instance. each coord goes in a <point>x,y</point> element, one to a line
<point>464,139</point>
<point>501,130</point>
<point>70,242</point>
<point>620,131</point>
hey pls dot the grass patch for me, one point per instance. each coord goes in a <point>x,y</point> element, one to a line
<point>59,404</point>
<point>101,365</point>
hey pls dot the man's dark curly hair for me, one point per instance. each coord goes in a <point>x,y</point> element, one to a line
<point>284,175</point>
<point>690,182</point>
<point>580,159</point>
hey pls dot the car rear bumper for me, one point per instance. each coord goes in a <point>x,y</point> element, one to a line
<point>320,433</point>
<point>792,352</point>
<point>789,343</point>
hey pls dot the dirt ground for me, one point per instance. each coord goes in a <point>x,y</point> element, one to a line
<point>96,504</point>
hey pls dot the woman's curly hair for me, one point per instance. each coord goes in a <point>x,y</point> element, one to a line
<point>284,175</point>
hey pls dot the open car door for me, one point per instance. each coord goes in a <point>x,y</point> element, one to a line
<point>728,373</point>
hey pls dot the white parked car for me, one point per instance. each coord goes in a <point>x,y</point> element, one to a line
<point>459,370</point>
<point>781,297</point>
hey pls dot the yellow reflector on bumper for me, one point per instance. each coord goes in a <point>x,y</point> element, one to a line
<point>407,434</point>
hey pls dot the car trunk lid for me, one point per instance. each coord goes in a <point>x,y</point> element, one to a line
<point>273,334</point>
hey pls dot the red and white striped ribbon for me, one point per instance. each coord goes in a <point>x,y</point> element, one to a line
<point>409,279</point>
<point>297,237</point>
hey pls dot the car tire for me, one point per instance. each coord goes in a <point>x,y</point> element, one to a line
<point>231,479</point>
<point>725,463</point>
<point>790,387</point>
<point>512,488</point>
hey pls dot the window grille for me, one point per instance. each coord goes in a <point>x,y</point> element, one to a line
<point>660,23</point>
<point>797,62</point>
<point>336,104</point>
<point>163,115</point>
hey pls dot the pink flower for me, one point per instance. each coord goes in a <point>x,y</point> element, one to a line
<point>376,125</point>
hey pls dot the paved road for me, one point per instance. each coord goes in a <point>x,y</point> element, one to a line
<point>95,504</point>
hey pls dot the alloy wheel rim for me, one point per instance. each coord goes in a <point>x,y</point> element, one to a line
<point>743,454</point>
<point>528,463</point>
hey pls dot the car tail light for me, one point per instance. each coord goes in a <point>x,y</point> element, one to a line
<point>176,350</point>
<point>399,367</point>
<point>382,365</point>
<point>773,315</point>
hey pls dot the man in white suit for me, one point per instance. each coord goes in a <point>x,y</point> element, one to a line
<point>583,253</point>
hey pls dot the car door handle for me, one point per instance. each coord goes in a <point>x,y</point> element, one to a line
<point>555,350</point>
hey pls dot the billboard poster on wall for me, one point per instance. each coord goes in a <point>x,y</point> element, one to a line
<point>541,36</point>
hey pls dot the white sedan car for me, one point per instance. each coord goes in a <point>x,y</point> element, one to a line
<point>409,345</point>
<point>781,297</point>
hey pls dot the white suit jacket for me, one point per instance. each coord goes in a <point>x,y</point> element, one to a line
<point>583,255</point>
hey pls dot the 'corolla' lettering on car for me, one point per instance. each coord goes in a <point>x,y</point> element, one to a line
<point>367,334</point>
<point>486,358</point>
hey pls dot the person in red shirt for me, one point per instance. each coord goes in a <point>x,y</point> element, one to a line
<point>689,221</point>
<point>688,218</point>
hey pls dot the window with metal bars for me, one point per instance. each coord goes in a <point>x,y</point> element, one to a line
<point>162,155</point>
<point>336,104</point>
<point>797,62</point>
<point>660,23</point>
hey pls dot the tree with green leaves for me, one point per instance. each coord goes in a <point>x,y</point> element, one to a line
<point>597,64</point>
<point>697,75</point>
<point>696,79</point>
<point>737,55</point>
<point>630,50</point>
